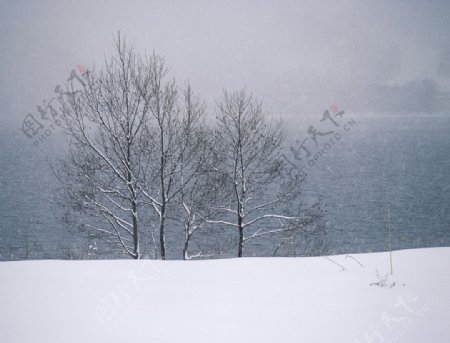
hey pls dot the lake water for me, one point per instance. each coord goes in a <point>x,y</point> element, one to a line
<point>401,163</point>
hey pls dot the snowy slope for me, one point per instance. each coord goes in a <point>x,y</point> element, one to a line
<point>235,300</point>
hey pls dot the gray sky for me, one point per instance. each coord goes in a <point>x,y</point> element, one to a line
<point>299,56</point>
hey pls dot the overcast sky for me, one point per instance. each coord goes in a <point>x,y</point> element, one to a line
<point>299,56</point>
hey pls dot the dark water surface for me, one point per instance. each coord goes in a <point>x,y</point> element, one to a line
<point>396,162</point>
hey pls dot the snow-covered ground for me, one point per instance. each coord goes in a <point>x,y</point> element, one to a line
<point>235,300</point>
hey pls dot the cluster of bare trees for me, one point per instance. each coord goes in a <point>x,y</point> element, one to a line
<point>143,158</point>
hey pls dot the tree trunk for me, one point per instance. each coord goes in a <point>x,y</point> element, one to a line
<point>241,237</point>
<point>135,232</point>
<point>137,253</point>
<point>161,232</point>
<point>185,250</point>
<point>162,217</point>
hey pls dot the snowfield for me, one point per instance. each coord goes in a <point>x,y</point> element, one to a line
<point>298,300</point>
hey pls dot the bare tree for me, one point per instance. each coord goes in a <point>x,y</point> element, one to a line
<point>106,160</point>
<point>175,133</point>
<point>252,167</point>
<point>134,139</point>
<point>139,148</point>
<point>200,195</point>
